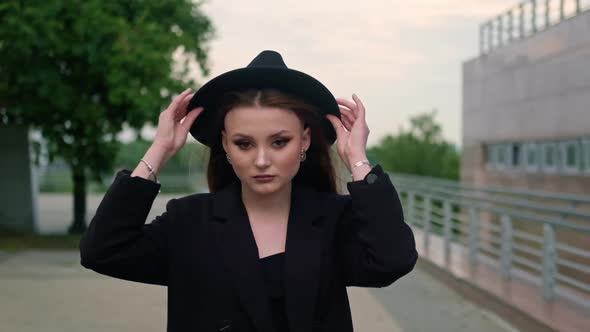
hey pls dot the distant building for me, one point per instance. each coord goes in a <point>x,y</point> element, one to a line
<point>526,100</point>
<point>19,189</point>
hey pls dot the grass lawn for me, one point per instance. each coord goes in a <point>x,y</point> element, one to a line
<point>14,241</point>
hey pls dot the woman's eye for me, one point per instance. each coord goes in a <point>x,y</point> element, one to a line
<point>281,142</point>
<point>243,145</point>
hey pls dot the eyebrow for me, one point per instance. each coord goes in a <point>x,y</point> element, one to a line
<point>273,135</point>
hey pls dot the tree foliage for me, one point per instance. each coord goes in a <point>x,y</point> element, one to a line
<point>421,150</point>
<point>79,70</point>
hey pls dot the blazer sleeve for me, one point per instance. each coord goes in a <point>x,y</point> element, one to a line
<point>375,245</point>
<point>118,243</point>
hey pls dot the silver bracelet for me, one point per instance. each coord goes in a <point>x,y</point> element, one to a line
<point>151,169</point>
<point>357,164</point>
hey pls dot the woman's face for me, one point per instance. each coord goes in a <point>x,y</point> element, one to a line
<point>264,141</point>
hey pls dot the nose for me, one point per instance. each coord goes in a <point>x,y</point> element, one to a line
<point>262,158</point>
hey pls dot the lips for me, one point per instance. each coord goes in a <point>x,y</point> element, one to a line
<point>264,178</point>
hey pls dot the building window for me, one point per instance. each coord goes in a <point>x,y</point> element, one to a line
<point>503,155</point>
<point>531,157</point>
<point>549,159</point>
<point>586,154</point>
<point>490,156</point>
<point>571,156</point>
<point>516,152</point>
<point>564,156</point>
<point>500,156</point>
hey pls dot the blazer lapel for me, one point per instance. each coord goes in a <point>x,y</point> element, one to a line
<point>303,252</point>
<point>240,252</point>
<point>303,257</point>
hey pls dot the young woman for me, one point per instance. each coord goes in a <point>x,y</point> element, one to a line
<point>273,246</point>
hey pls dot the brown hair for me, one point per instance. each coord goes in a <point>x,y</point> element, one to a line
<point>316,171</point>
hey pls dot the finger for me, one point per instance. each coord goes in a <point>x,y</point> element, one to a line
<point>347,121</point>
<point>347,125</point>
<point>190,118</point>
<point>337,124</point>
<point>348,104</point>
<point>174,104</point>
<point>361,106</point>
<point>181,109</point>
<point>345,112</point>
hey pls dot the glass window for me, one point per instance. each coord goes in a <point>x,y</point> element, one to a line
<point>516,155</point>
<point>504,155</point>
<point>586,154</point>
<point>531,157</point>
<point>571,161</point>
<point>549,157</point>
<point>490,157</point>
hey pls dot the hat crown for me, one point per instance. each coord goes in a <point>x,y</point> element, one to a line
<point>267,59</point>
<point>266,70</point>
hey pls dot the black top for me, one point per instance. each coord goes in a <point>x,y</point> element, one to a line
<point>273,272</point>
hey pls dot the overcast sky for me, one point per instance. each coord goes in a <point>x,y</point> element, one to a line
<point>402,57</point>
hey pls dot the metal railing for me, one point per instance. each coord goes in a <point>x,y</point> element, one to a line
<point>545,244</point>
<point>60,181</point>
<point>526,19</point>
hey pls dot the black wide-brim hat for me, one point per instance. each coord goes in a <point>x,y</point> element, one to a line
<point>267,70</point>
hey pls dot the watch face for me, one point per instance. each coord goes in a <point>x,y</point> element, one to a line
<point>371,178</point>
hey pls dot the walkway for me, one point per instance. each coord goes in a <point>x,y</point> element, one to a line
<point>49,291</point>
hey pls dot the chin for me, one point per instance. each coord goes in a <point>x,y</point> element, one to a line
<point>265,188</point>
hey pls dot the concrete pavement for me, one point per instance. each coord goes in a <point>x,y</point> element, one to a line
<point>49,291</point>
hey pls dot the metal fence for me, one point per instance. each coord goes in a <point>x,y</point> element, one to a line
<point>60,180</point>
<point>526,19</point>
<point>542,237</point>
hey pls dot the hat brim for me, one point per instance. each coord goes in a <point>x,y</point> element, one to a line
<point>290,81</point>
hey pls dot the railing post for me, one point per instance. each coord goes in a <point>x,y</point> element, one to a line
<point>427,223</point>
<point>447,231</point>
<point>578,7</point>
<point>473,235</point>
<point>500,31</point>
<point>534,15</point>
<point>481,39</point>
<point>549,262</point>
<point>506,247</point>
<point>561,10</point>
<point>547,13</point>
<point>490,35</point>
<point>510,25</point>
<point>521,21</point>
<point>411,206</point>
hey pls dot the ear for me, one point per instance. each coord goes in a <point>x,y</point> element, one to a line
<point>306,140</point>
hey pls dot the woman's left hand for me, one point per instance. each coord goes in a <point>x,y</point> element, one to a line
<point>352,132</point>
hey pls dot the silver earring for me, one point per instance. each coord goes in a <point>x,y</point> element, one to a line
<point>303,156</point>
<point>227,157</point>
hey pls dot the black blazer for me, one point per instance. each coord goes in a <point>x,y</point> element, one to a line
<point>203,249</point>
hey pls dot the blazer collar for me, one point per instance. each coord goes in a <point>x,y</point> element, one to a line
<point>227,203</point>
<point>303,254</point>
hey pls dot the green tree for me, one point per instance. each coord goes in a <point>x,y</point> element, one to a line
<point>421,150</point>
<point>78,70</point>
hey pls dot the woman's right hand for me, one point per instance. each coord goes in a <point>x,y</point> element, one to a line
<point>174,125</point>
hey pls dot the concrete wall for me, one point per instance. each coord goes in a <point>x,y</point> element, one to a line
<point>537,88</point>
<point>18,189</point>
